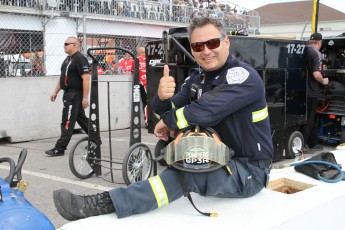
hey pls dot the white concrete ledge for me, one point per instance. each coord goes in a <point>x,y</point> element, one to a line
<point>320,207</point>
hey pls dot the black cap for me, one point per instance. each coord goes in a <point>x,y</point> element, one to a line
<point>316,37</point>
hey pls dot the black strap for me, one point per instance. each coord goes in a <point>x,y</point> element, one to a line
<point>186,193</point>
<point>264,163</point>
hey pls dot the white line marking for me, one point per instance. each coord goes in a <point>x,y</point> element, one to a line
<point>127,140</point>
<point>61,179</point>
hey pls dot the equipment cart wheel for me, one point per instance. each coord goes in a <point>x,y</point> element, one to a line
<point>158,151</point>
<point>78,163</point>
<point>294,144</point>
<point>137,164</point>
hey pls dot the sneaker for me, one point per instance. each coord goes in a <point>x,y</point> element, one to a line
<point>75,207</point>
<point>306,149</point>
<point>317,147</point>
<point>55,152</point>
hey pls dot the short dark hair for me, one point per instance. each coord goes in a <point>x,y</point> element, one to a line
<point>202,21</point>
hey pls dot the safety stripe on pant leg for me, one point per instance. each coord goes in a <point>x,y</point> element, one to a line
<point>260,115</point>
<point>181,120</point>
<point>68,117</point>
<point>159,191</point>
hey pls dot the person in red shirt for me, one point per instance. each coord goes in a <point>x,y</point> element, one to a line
<point>142,65</point>
<point>142,77</point>
<point>126,64</point>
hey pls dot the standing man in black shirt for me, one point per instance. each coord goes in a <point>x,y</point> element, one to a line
<point>75,81</point>
<point>315,85</point>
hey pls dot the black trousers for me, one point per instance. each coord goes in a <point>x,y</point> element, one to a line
<point>143,95</point>
<point>72,112</point>
<point>311,129</point>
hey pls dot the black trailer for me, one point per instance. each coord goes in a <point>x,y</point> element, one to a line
<point>280,62</point>
<point>332,102</point>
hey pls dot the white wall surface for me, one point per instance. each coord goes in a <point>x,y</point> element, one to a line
<point>56,32</point>
<point>20,22</point>
<point>28,114</point>
<point>122,28</point>
<point>304,29</point>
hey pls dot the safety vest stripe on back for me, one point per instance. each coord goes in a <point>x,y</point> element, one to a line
<point>159,191</point>
<point>260,115</point>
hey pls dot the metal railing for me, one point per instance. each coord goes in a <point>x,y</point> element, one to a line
<point>22,51</point>
<point>138,9</point>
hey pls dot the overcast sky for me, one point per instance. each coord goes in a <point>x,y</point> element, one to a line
<point>252,4</point>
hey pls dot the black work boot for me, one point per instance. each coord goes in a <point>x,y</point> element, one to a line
<point>74,207</point>
<point>55,152</point>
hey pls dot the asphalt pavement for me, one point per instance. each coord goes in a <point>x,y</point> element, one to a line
<point>46,174</point>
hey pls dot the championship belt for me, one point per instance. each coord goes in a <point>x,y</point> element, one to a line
<point>200,150</point>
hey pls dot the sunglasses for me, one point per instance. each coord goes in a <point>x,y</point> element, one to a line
<point>211,44</point>
<point>67,44</point>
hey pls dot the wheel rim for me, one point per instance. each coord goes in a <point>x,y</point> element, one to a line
<point>139,165</point>
<point>296,144</point>
<point>80,160</point>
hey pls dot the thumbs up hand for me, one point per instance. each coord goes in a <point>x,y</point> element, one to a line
<point>166,88</point>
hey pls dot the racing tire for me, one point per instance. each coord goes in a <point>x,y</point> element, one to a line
<point>294,144</point>
<point>158,151</point>
<point>78,163</point>
<point>137,164</point>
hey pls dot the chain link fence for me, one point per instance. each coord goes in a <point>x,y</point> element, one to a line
<point>31,53</point>
<point>32,32</point>
<point>21,53</point>
<point>108,59</point>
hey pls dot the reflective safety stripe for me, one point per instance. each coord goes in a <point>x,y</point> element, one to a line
<point>260,115</point>
<point>159,117</point>
<point>181,120</point>
<point>159,191</point>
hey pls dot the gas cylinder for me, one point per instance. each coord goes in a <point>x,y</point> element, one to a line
<point>16,213</point>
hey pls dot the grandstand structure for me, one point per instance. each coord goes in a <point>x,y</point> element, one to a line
<point>32,32</point>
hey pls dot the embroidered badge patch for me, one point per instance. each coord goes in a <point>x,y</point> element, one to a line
<point>237,75</point>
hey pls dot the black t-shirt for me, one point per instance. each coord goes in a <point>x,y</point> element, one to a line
<point>314,64</point>
<point>72,68</point>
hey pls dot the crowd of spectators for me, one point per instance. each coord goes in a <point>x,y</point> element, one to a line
<point>232,15</point>
<point>181,10</point>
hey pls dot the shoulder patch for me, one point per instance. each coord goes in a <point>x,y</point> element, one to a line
<point>237,75</point>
